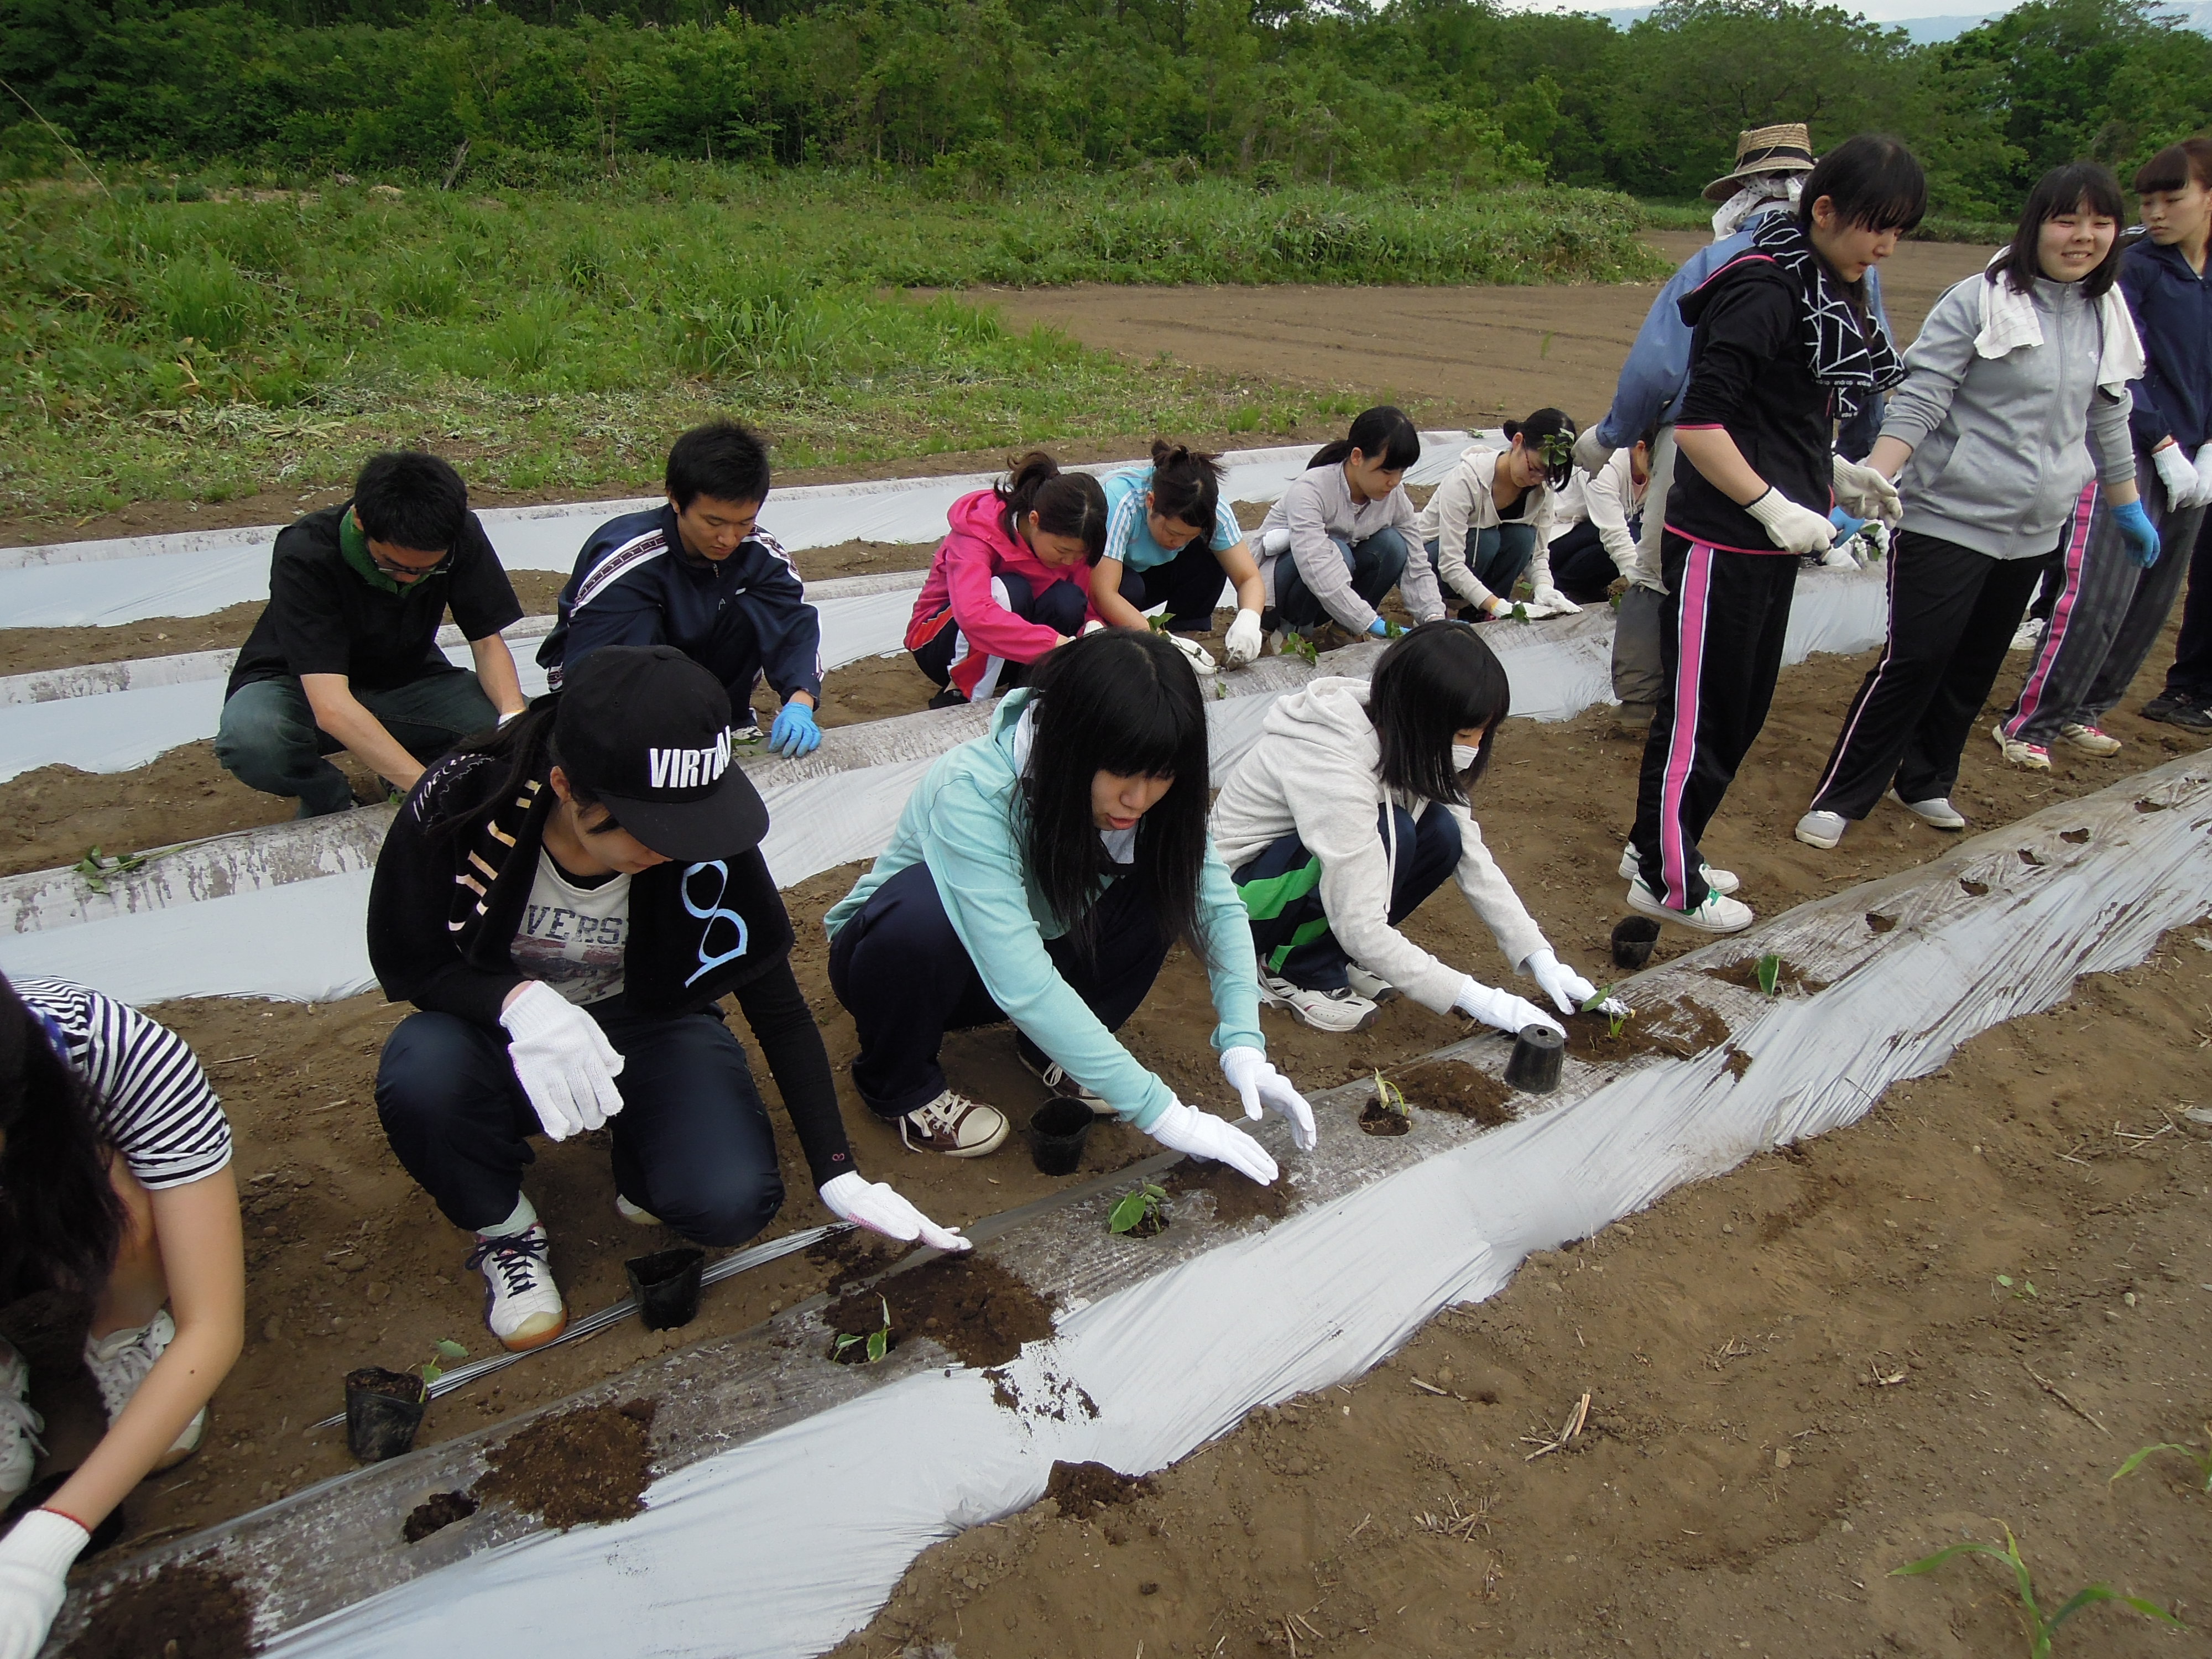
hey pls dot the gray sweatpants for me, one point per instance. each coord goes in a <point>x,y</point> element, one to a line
<point>1636,674</point>
<point>2108,615</point>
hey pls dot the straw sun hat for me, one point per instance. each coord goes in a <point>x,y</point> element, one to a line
<point>1784,148</point>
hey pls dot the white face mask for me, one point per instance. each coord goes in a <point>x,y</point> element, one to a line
<point>1463,756</point>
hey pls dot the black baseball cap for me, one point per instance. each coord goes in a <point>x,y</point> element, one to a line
<point>647,731</point>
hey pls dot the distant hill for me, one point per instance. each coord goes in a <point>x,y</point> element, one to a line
<point>1925,31</point>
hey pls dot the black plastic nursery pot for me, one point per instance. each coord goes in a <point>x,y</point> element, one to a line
<point>1058,1131</point>
<point>1632,940</point>
<point>666,1286</point>
<point>1535,1067</point>
<point>383,1411</point>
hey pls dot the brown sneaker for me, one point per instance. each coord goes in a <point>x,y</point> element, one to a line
<point>954,1125</point>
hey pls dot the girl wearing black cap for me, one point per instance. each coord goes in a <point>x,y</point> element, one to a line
<point>565,901</point>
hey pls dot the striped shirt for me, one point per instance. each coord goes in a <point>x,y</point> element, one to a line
<point>155,1103</point>
<point>1128,532</point>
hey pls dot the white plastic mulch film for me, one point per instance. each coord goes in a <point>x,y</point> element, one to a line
<point>782,1545</point>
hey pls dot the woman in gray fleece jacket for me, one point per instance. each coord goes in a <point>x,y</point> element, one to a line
<point>2018,379</point>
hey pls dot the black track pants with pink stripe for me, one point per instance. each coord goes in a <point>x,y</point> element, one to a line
<point>1720,649</point>
<point>1952,613</point>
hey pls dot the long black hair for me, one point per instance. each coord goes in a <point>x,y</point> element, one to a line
<point>2079,187</point>
<point>1551,433</point>
<point>1440,679</point>
<point>1066,503</point>
<point>1870,180</point>
<point>1120,701</point>
<point>526,745</point>
<point>1382,432</point>
<point>1186,484</point>
<point>60,1219</point>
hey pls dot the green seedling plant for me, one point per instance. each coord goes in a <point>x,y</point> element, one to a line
<point>1770,973</point>
<point>447,1350</point>
<point>1299,645</point>
<point>1139,1207</point>
<point>1615,1016</point>
<point>96,870</point>
<point>1520,611</point>
<point>2039,1628</point>
<point>2023,1290</point>
<point>879,1340</point>
<point>1391,1098</point>
<point>2199,1461</point>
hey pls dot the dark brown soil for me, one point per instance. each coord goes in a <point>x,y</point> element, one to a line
<point>1787,981</point>
<point>48,1328</point>
<point>969,1303</point>
<point>1683,1030</point>
<point>1377,1119</point>
<point>1237,1198</point>
<point>1451,1085</point>
<point>439,1509</point>
<point>577,1468</point>
<point>398,1385</point>
<point>183,1612</point>
<point>1082,1490</point>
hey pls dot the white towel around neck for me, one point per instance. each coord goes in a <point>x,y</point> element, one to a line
<point>2008,320</point>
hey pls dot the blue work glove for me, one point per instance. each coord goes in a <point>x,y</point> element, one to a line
<point>1846,525</point>
<point>2137,532</point>
<point>794,732</point>
<point>1380,629</point>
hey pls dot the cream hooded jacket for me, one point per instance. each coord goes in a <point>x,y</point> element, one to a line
<point>1316,772</point>
<point>1464,503</point>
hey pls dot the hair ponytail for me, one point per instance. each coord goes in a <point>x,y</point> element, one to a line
<point>1186,484</point>
<point>1066,503</point>
<point>1384,433</point>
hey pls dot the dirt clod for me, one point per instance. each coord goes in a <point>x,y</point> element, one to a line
<point>1237,1198</point>
<point>1682,1029</point>
<point>440,1508</point>
<point>579,1468</point>
<point>1451,1085</point>
<point>1083,1489</point>
<point>1377,1119</point>
<point>187,1611</point>
<point>971,1304</point>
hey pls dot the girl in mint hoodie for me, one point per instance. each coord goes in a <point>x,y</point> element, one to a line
<point>1011,582</point>
<point>1040,874</point>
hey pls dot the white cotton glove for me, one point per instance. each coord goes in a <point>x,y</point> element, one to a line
<point>1590,455</point>
<point>1276,541</point>
<point>1262,1085</point>
<point>563,1060</point>
<point>2179,477</point>
<point>1501,1008</point>
<point>1200,658</point>
<point>1566,987</point>
<point>1549,601</point>
<point>873,1205</point>
<point>1794,529</point>
<point>33,1560</point>
<point>1187,1129</point>
<point>1864,493</point>
<point>2204,473</point>
<point>1242,644</point>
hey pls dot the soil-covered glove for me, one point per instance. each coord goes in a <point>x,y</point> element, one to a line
<point>2137,534</point>
<point>1501,1008</point>
<point>1549,601</point>
<point>1200,658</point>
<point>873,1205</point>
<point>2179,477</point>
<point>1591,454</point>
<point>1261,1085</point>
<point>1187,1129</point>
<point>794,732</point>
<point>1561,983</point>
<point>33,1560</point>
<point>1242,643</point>
<point>1794,529</point>
<point>1864,493</point>
<point>563,1060</point>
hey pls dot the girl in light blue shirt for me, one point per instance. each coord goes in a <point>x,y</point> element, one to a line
<point>1171,540</point>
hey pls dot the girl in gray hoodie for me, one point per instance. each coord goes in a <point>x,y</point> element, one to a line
<point>2014,399</point>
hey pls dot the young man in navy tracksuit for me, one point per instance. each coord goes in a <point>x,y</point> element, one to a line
<point>701,575</point>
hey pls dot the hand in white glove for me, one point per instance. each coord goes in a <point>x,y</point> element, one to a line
<point>1200,658</point>
<point>33,1560</point>
<point>1242,642</point>
<point>2204,473</point>
<point>1187,1129</point>
<point>1091,628</point>
<point>2179,477</point>
<point>563,1060</point>
<point>1501,1008</point>
<point>1864,493</point>
<point>1261,1085</point>
<point>1275,542</point>
<point>1589,453</point>
<point>1793,528</point>
<point>1566,987</point>
<point>873,1205</point>
<point>1549,601</point>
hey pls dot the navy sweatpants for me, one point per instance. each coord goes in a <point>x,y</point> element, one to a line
<point>1281,889</point>
<point>1190,584</point>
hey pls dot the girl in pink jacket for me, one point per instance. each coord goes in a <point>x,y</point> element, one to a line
<point>1011,582</point>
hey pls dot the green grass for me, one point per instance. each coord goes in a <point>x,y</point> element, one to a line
<point>184,340</point>
<point>1699,216</point>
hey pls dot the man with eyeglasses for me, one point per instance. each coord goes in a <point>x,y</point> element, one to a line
<point>345,655</point>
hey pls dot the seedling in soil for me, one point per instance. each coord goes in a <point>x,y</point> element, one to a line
<point>447,1350</point>
<point>1616,1016</point>
<point>1139,1213</point>
<point>2024,1290</point>
<point>1387,1113</point>
<point>2201,1462</point>
<point>1770,972</point>
<point>2039,1629</point>
<point>1520,611</point>
<point>879,1340</point>
<point>96,870</point>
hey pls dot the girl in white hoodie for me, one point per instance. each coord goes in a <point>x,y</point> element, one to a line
<point>1350,810</point>
<point>1490,520</point>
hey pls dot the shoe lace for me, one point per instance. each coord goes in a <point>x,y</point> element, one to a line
<point>517,1260</point>
<point>120,1373</point>
<point>16,1414</point>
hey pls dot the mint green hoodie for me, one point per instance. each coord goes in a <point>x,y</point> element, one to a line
<point>965,821</point>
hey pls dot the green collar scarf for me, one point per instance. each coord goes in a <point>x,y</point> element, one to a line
<point>353,546</point>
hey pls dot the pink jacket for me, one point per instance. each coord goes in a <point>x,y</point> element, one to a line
<point>958,590</point>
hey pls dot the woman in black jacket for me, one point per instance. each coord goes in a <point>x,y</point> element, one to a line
<point>565,901</point>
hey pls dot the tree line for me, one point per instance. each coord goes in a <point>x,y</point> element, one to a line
<point>1423,94</point>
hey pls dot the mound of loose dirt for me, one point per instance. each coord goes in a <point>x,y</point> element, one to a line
<point>577,1467</point>
<point>1082,1490</point>
<point>181,1611</point>
<point>1454,1086</point>
<point>968,1304</point>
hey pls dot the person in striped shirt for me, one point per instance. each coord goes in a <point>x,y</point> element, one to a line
<point>116,1196</point>
<point>1171,540</point>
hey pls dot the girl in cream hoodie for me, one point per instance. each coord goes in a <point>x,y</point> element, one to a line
<point>1490,520</point>
<point>1350,810</point>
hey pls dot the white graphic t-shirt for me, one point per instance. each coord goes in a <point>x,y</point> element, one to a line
<point>572,935</point>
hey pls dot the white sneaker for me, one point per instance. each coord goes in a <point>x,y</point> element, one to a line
<point>1719,913</point>
<point>2027,636</point>
<point>19,1427</point>
<point>1341,1010</point>
<point>954,1125</point>
<point>1054,1077</point>
<point>119,1363</point>
<point>2090,739</point>
<point>1373,987</point>
<point>1937,813</point>
<point>636,1215</point>
<point>1822,830</point>
<point>2029,756</point>
<point>1721,881</point>
<point>522,1304</point>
